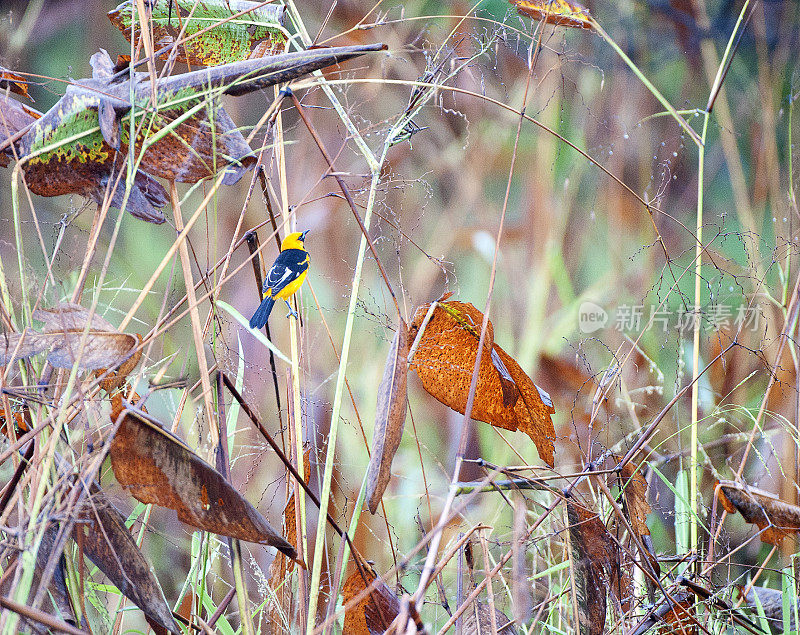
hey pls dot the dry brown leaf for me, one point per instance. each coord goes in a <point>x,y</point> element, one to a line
<point>444,362</point>
<point>672,617</point>
<point>775,518</point>
<point>771,601</point>
<point>596,566</point>
<point>13,82</point>
<point>375,612</point>
<point>477,620</point>
<point>157,467</point>
<point>63,332</point>
<point>108,543</point>
<point>633,486</point>
<point>558,12</point>
<point>123,62</point>
<point>390,417</point>
<point>20,424</point>
<point>188,605</point>
<point>14,116</point>
<point>67,316</point>
<point>57,591</point>
<point>14,346</point>
<point>117,378</point>
<point>101,349</point>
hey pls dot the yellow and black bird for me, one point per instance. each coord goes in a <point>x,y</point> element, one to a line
<point>285,277</point>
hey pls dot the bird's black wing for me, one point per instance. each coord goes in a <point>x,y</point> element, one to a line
<point>289,264</point>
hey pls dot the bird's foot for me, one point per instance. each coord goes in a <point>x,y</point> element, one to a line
<point>292,312</point>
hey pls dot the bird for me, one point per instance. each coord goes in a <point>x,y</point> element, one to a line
<point>285,277</point>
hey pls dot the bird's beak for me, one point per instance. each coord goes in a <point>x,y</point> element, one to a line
<point>303,235</point>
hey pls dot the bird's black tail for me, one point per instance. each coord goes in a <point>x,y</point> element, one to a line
<point>260,317</point>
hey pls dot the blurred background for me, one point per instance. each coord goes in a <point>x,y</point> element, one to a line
<point>580,273</point>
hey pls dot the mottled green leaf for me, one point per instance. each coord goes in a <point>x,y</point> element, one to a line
<point>186,138</point>
<point>257,33</point>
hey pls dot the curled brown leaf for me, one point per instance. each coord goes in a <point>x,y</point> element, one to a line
<point>596,567</point>
<point>505,396</point>
<point>67,343</point>
<point>376,611</point>
<point>390,417</point>
<point>775,518</point>
<point>557,12</point>
<point>13,82</point>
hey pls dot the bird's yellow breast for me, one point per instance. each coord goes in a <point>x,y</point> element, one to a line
<point>292,287</point>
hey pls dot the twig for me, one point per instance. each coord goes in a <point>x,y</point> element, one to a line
<point>254,247</point>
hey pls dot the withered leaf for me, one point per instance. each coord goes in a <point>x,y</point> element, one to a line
<point>101,350</point>
<point>374,613</point>
<point>157,467</point>
<point>14,346</point>
<point>13,82</point>
<point>595,564</point>
<point>509,387</point>
<point>67,316</point>
<point>711,600</point>
<point>102,66</point>
<point>254,34</point>
<point>108,543</point>
<point>14,117</point>
<point>390,417</point>
<point>444,362</point>
<point>633,486</point>
<point>117,378</point>
<point>19,420</point>
<point>671,616</point>
<point>146,197</point>
<point>57,591</point>
<point>775,518</point>
<point>62,334</point>
<point>123,62</point>
<point>477,620</point>
<point>771,601</point>
<point>558,12</point>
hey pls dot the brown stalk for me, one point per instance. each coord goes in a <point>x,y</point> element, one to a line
<point>16,477</point>
<point>286,462</point>
<point>222,606</point>
<point>254,247</point>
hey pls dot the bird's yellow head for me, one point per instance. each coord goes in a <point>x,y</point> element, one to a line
<point>294,241</point>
